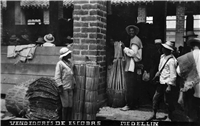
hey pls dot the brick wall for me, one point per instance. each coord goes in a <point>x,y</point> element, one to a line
<point>1,26</point>
<point>90,37</point>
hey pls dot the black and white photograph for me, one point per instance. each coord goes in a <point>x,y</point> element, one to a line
<point>100,62</point>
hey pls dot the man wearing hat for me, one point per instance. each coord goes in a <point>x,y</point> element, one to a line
<point>167,79</point>
<point>189,70</point>
<point>189,35</point>
<point>65,81</point>
<point>49,39</point>
<point>133,54</point>
<point>40,41</point>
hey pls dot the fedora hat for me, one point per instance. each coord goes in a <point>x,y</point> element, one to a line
<point>169,45</point>
<point>13,37</point>
<point>193,41</point>
<point>64,52</point>
<point>136,29</point>
<point>40,40</point>
<point>189,33</point>
<point>49,38</point>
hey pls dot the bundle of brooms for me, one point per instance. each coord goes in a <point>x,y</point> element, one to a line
<point>116,79</point>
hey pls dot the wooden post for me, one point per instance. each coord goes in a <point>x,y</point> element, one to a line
<point>190,22</point>
<point>180,18</point>
<point>19,14</point>
<point>46,16</point>
<point>159,19</point>
<point>9,19</point>
<point>1,23</point>
<point>56,12</point>
<point>141,14</point>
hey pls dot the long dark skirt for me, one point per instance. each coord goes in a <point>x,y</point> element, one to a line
<point>133,90</point>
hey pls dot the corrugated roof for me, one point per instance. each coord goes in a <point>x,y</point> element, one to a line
<point>35,3</point>
<point>3,3</point>
<point>66,3</point>
<point>146,1</point>
<point>180,1</point>
<point>42,3</point>
<point>129,1</point>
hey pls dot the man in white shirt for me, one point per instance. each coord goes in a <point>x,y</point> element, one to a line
<point>167,79</point>
<point>133,54</point>
<point>189,70</point>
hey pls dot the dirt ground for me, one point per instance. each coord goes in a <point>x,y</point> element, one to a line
<point>108,113</point>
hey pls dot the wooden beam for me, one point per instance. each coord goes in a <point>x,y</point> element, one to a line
<point>9,17</point>
<point>159,19</point>
<point>1,22</point>
<point>56,12</point>
<point>19,14</point>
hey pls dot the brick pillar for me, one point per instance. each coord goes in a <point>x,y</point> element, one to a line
<point>1,21</point>
<point>90,37</point>
<point>142,14</point>
<point>180,19</point>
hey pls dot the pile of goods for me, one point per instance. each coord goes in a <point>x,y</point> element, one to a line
<point>44,100</point>
<point>16,101</point>
<point>116,79</point>
<point>86,92</point>
<point>36,99</point>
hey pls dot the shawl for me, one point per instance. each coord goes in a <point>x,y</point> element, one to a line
<point>188,70</point>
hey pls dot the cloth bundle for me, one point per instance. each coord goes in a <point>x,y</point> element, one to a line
<point>25,52</point>
<point>44,100</point>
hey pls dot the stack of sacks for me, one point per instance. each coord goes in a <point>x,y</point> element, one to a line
<point>44,100</point>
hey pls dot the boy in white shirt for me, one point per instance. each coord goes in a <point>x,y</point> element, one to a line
<point>167,79</point>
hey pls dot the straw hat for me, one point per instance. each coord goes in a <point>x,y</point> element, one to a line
<point>189,33</point>
<point>136,29</point>
<point>169,45</point>
<point>49,38</point>
<point>64,52</point>
<point>193,41</point>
